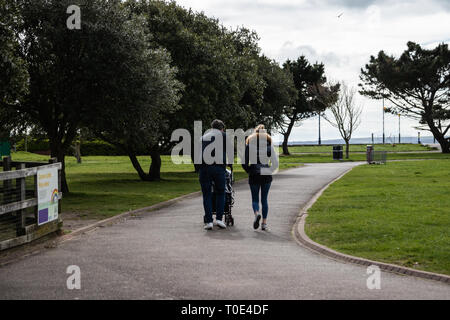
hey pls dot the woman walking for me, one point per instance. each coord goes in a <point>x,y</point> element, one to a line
<point>258,152</point>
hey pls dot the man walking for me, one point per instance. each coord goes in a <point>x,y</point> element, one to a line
<point>212,169</point>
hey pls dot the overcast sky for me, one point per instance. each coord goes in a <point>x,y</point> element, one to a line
<point>312,28</point>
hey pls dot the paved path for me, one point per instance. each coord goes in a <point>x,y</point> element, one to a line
<point>166,255</point>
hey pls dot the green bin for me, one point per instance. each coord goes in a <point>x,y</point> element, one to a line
<point>5,149</point>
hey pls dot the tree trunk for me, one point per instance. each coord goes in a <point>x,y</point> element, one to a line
<point>286,137</point>
<point>445,143</point>
<point>58,152</point>
<point>347,149</point>
<point>155,167</point>
<point>77,152</point>
<point>138,168</point>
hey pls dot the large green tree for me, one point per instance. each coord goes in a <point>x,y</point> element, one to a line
<point>83,77</point>
<point>278,95</point>
<point>218,67</point>
<point>313,95</point>
<point>13,74</point>
<point>417,84</point>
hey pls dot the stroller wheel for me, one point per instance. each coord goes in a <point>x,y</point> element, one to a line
<point>232,221</point>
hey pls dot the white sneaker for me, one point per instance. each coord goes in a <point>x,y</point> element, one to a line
<point>220,224</point>
<point>208,226</point>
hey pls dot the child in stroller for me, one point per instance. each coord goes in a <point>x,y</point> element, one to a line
<point>229,198</point>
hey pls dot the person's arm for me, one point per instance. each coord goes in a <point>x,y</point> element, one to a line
<point>245,165</point>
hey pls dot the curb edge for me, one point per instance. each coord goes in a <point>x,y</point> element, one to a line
<point>299,234</point>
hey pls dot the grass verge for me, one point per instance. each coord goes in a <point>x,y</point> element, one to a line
<point>102,187</point>
<point>397,213</point>
<point>362,148</point>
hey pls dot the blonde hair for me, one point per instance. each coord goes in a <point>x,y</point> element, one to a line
<point>260,130</point>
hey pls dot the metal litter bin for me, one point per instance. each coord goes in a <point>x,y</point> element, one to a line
<point>338,153</point>
<point>369,154</point>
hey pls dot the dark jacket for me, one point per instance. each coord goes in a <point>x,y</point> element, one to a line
<point>224,159</point>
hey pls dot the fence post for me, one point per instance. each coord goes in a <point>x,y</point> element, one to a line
<point>21,193</point>
<point>7,185</point>
<point>55,160</point>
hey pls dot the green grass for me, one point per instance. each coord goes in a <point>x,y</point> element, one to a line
<point>362,148</point>
<point>324,158</point>
<point>396,213</point>
<point>101,187</point>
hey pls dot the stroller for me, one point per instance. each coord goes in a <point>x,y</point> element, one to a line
<point>229,198</point>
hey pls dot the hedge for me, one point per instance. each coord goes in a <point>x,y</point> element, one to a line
<point>88,148</point>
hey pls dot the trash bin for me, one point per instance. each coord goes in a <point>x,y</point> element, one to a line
<point>338,153</point>
<point>369,154</point>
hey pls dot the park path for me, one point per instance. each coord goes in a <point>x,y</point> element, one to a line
<point>166,254</point>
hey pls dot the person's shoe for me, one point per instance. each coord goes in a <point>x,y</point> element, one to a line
<point>208,226</point>
<point>264,227</point>
<point>220,224</point>
<point>256,222</point>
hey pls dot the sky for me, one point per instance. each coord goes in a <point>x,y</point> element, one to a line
<point>344,44</point>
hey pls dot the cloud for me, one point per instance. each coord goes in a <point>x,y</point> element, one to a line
<point>364,4</point>
<point>289,29</point>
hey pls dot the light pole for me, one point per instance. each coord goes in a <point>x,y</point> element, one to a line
<point>320,137</point>
<point>399,134</point>
<point>384,110</point>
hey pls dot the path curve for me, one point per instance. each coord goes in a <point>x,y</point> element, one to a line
<point>165,254</point>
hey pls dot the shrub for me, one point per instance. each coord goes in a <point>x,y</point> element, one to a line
<point>88,148</point>
<point>99,148</point>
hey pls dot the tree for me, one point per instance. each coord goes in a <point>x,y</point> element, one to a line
<point>217,66</point>
<point>79,77</point>
<point>147,104</point>
<point>347,115</point>
<point>279,93</point>
<point>309,81</point>
<point>417,84</point>
<point>13,74</point>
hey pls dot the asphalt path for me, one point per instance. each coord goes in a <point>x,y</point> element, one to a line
<point>166,254</point>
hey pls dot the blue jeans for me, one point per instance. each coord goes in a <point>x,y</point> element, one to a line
<point>207,175</point>
<point>264,194</point>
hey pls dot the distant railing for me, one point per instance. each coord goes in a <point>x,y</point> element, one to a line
<point>376,157</point>
<point>29,201</point>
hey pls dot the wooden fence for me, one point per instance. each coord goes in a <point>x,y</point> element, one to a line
<point>20,219</point>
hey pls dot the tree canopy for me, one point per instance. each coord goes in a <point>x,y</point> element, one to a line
<point>417,84</point>
<point>99,76</point>
<point>13,74</point>
<point>313,95</point>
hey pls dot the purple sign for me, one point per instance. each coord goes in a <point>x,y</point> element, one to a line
<point>43,216</point>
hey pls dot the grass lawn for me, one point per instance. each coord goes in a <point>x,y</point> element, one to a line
<point>397,213</point>
<point>362,148</point>
<point>324,158</point>
<point>102,187</point>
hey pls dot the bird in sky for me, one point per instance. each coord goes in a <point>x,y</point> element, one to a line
<point>340,15</point>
